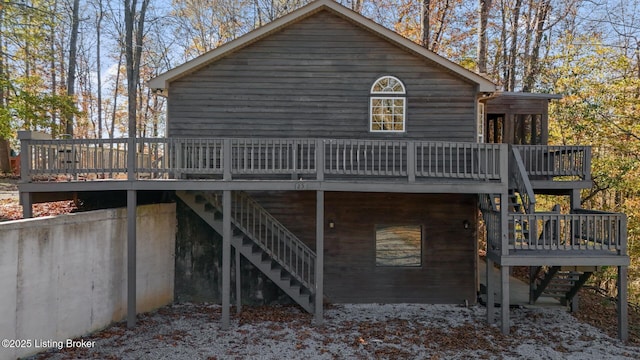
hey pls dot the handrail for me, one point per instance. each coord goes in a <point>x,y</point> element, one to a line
<point>274,238</point>
<point>264,157</point>
<point>557,160</point>
<point>519,180</point>
<point>491,217</point>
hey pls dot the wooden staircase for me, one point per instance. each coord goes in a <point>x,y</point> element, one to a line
<point>559,282</point>
<point>262,240</point>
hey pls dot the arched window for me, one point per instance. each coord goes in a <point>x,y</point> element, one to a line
<point>387,105</point>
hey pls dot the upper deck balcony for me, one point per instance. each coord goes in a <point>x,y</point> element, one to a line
<point>285,163</point>
<point>260,163</point>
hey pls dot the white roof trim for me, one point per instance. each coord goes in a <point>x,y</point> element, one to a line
<point>162,81</point>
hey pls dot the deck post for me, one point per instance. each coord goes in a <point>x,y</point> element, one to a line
<point>320,160</point>
<point>576,199</point>
<point>226,159</point>
<point>238,283</point>
<point>532,284</point>
<point>623,305</point>
<point>131,158</point>
<point>504,303</point>
<point>226,258</point>
<point>26,201</point>
<point>319,275</point>
<point>411,161</point>
<point>25,156</point>
<point>490,292</point>
<point>504,224</point>
<point>131,257</point>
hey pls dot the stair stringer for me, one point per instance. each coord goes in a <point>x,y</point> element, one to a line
<point>560,283</point>
<point>244,243</point>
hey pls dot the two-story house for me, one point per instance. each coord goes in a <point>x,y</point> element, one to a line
<point>348,164</point>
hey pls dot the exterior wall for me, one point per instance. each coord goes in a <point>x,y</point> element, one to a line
<point>447,274</point>
<point>65,276</point>
<point>313,79</point>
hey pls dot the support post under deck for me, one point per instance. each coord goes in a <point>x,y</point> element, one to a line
<point>490,292</point>
<point>623,305</point>
<point>226,258</point>
<point>27,205</point>
<point>132,200</point>
<point>319,270</point>
<point>504,293</point>
<point>238,283</point>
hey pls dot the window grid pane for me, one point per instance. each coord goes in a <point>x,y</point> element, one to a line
<point>387,114</point>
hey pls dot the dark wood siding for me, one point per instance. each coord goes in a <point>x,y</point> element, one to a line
<point>447,274</point>
<point>312,79</point>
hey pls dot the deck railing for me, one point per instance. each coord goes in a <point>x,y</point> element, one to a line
<point>584,230</point>
<point>256,157</point>
<point>573,162</point>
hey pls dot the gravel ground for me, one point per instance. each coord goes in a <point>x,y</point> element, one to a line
<point>369,331</point>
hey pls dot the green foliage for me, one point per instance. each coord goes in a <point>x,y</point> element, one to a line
<point>601,107</point>
<point>30,109</point>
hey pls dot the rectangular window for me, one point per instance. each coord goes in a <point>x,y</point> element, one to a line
<point>387,114</point>
<point>399,245</point>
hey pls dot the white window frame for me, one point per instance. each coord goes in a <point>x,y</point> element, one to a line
<point>480,123</point>
<point>385,95</point>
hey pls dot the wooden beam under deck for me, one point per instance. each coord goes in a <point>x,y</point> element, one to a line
<point>560,258</point>
<point>451,187</point>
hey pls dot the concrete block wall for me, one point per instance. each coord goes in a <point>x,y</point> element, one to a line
<point>66,276</point>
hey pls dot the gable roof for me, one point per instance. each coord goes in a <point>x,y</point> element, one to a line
<point>162,81</point>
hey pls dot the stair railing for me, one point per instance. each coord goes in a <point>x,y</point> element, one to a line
<point>491,217</point>
<point>519,181</point>
<point>275,239</point>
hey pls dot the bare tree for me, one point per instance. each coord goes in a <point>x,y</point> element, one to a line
<point>134,20</point>
<point>425,22</point>
<point>99,18</point>
<point>71,74</point>
<point>483,17</point>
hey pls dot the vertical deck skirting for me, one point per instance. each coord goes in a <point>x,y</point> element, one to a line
<point>623,305</point>
<point>226,258</point>
<point>319,270</point>
<point>131,257</point>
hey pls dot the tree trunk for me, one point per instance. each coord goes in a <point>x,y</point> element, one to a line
<point>73,50</point>
<point>532,70</point>
<point>425,22</point>
<point>513,51</point>
<point>98,66</point>
<point>133,52</point>
<point>484,7</point>
<point>5,164</point>
<point>116,93</point>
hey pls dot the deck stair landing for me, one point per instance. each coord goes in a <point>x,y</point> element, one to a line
<point>560,282</point>
<point>262,240</point>
<point>541,234</point>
